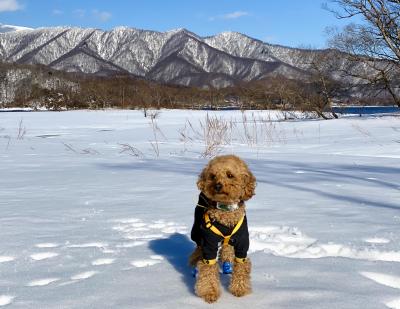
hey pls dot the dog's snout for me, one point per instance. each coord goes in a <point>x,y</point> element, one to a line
<point>218,187</point>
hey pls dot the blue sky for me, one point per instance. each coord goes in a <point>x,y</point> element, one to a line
<point>297,23</point>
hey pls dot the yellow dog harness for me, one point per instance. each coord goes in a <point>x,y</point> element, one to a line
<point>226,238</point>
<point>213,228</point>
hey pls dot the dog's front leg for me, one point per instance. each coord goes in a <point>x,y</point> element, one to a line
<point>240,283</point>
<point>207,283</point>
<point>195,257</point>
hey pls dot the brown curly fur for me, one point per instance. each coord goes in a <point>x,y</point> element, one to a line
<point>207,283</point>
<point>237,185</point>
<point>227,253</point>
<point>195,257</point>
<point>227,218</point>
<point>240,283</point>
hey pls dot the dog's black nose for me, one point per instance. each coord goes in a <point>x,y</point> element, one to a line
<point>218,187</point>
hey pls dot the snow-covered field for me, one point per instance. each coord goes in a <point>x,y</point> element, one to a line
<point>96,209</point>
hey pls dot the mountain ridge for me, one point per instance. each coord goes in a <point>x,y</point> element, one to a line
<point>147,54</point>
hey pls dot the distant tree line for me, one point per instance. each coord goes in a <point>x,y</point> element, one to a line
<point>37,86</point>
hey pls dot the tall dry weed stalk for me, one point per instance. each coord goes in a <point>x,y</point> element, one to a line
<point>214,132</point>
<point>131,150</point>
<point>260,130</point>
<point>217,132</point>
<point>157,133</point>
<point>85,151</point>
<point>21,130</point>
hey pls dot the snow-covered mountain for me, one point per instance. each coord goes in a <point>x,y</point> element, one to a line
<point>8,28</point>
<point>176,56</point>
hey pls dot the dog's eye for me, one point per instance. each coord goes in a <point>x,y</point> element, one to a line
<point>229,175</point>
<point>212,177</point>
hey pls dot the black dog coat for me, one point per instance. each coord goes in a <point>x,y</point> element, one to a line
<point>205,238</point>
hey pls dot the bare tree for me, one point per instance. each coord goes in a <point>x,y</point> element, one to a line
<point>375,43</point>
<point>324,79</point>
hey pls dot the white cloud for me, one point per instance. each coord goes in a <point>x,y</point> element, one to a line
<point>79,13</point>
<point>102,16</point>
<point>233,15</point>
<point>9,5</point>
<point>57,12</point>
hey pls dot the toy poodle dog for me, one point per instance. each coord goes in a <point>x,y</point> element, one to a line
<point>220,220</point>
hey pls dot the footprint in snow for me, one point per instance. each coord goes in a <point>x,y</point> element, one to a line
<point>140,232</point>
<point>89,245</point>
<point>136,229</point>
<point>383,279</point>
<point>154,259</point>
<point>377,240</point>
<point>386,280</point>
<point>79,277</point>
<point>43,256</point>
<point>4,259</point>
<point>42,282</point>
<point>291,242</point>
<point>157,257</point>
<point>393,304</point>
<point>99,262</point>
<point>144,263</point>
<point>131,244</point>
<point>84,275</point>
<point>6,300</point>
<point>47,245</point>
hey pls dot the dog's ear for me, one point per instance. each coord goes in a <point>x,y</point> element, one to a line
<point>202,179</point>
<point>249,185</point>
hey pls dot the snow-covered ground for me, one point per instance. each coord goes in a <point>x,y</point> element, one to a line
<point>92,217</point>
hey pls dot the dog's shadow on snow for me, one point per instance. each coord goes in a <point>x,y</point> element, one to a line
<point>176,249</point>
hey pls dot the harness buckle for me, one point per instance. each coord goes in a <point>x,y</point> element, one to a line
<point>210,262</point>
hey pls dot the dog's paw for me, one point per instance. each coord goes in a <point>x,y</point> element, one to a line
<point>211,298</point>
<point>240,283</point>
<point>207,283</point>
<point>209,292</point>
<point>240,290</point>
